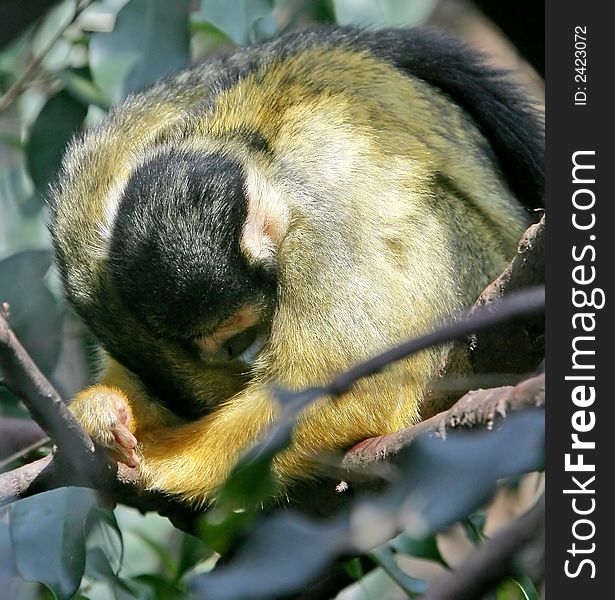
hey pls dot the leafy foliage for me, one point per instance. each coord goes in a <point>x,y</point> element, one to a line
<point>151,38</point>
<point>82,60</point>
<point>435,485</point>
<point>55,523</point>
<point>60,118</point>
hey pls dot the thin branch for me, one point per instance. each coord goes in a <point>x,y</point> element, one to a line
<point>15,484</point>
<point>478,408</point>
<point>22,452</point>
<point>18,437</point>
<point>32,67</point>
<point>496,559</point>
<point>518,304</point>
<point>527,268</point>
<point>24,379</point>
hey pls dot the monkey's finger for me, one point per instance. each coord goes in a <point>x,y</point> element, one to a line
<point>123,437</point>
<point>123,450</point>
<point>127,457</point>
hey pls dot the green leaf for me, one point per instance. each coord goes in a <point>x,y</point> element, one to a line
<point>162,588</point>
<point>524,587</point>
<point>282,554</point>
<point>517,588</point>
<point>104,537</point>
<point>11,584</point>
<point>385,558</point>
<point>17,192</point>
<point>151,39</point>
<point>99,570</point>
<point>444,482</point>
<point>10,139</point>
<point>166,556</point>
<point>60,118</point>
<point>474,525</point>
<point>53,24</point>
<point>243,21</point>
<point>354,568</point>
<point>48,538</point>
<point>426,547</point>
<point>192,552</point>
<point>36,316</point>
<point>384,13</point>
<point>220,527</point>
<point>80,86</point>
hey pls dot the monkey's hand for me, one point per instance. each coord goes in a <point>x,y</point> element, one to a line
<point>105,414</point>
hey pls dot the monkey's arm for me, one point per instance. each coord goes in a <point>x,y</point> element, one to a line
<point>187,459</point>
<point>191,459</point>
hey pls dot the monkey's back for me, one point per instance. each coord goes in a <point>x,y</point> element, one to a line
<point>388,154</point>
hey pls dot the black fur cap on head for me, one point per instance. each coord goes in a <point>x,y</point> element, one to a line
<point>175,256</point>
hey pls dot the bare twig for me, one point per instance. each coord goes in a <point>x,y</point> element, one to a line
<point>479,408</point>
<point>32,67</point>
<point>526,268</point>
<point>494,560</point>
<point>16,483</point>
<point>25,380</point>
<point>17,438</point>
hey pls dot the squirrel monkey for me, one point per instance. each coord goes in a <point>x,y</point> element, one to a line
<point>276,216</point>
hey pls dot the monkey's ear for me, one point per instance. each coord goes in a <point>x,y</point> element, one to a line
<point>268,218</point>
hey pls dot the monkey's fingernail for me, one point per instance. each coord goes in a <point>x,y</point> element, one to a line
<point>131,460</point>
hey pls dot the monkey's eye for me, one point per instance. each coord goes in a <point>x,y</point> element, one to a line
<point>237,344</point>
<point>241,346</point>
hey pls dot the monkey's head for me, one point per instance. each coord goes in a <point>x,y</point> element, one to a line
<point>177,255</point>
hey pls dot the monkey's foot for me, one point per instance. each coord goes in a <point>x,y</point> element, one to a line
<point>106,416</point>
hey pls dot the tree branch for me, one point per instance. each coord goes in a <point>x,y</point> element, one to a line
<point>18,436</point>
<point>496,559</point>
<point>32,67</point>
<point>24,379</point>
<point>478,408</point>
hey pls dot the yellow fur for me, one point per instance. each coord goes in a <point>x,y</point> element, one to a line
<point>352,125</point>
